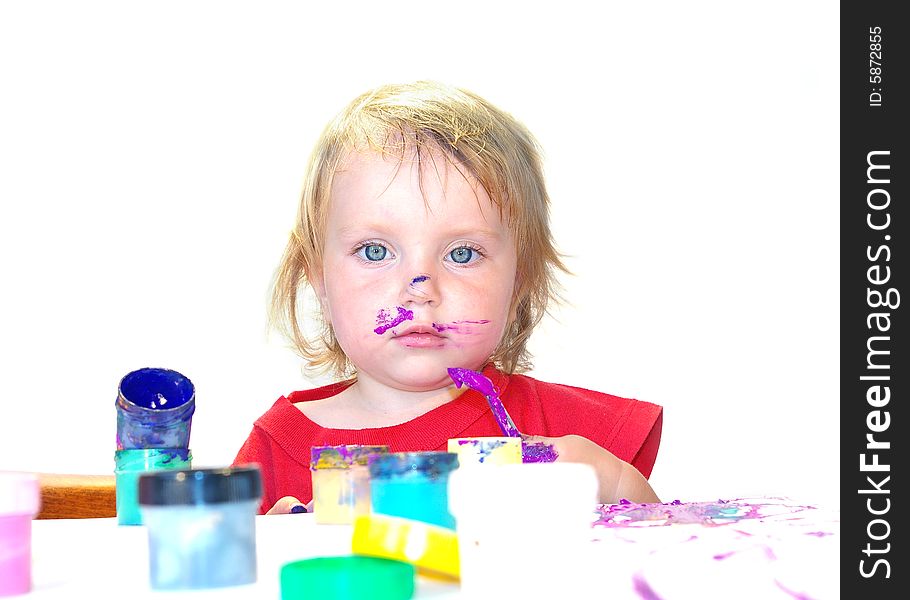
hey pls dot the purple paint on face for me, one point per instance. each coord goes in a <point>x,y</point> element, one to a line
<point>479,383</point>
<point>458,326</point>
<point>386,321</point>
<point>419,279</point>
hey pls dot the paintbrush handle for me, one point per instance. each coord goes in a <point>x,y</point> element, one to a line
<point>506,424</point>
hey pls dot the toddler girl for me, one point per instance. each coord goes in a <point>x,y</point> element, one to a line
<point>423,232</point>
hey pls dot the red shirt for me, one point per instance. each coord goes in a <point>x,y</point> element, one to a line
<point>281,438</point>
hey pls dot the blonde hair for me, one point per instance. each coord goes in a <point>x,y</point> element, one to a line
<point>498,151</point>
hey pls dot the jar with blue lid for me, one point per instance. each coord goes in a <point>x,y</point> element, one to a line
<point>201,526</point>
<point>413,485</point>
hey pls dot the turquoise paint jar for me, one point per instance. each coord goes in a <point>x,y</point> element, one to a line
<point>413,485</point>
<point>130,464</point>
<point>201,526</point>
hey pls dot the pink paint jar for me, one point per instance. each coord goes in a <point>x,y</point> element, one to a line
<point>19,503</point>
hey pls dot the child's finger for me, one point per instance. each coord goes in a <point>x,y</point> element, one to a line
<point>284,506</point>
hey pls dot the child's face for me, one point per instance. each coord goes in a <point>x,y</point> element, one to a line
<point>414,281</point>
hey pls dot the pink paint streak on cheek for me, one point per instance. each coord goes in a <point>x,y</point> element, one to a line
<point>386,320</point>
<point>462,327</point>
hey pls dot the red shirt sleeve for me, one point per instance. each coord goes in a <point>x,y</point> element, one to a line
<point>647,453</point>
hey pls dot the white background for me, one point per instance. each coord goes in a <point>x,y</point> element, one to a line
<point>151,157</point>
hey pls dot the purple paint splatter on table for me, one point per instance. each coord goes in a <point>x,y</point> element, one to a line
<point>721,512</point>
<point>756,547</point>
<point>386,321</point>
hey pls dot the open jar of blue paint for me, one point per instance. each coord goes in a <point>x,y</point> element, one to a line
<point>413,485</point>
<point>154,409</point>
<point>201,526</point>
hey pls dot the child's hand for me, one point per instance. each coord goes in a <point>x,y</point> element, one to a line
<point>617,479</point>
<point>290,504</point>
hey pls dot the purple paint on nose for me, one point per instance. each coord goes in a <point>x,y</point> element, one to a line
<point>385,320</point>
<point>419,279</point>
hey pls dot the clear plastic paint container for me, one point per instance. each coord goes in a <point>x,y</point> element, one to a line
<point>20,501</point>
<point>201,526</point>
<point>413,485</point>
<point>130,464</point>
<point>341,481</point>
<point>154,409</point>
<point>525,530</point>
<point>486,450</point>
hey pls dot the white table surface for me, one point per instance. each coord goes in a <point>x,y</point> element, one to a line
<point>780,549</point>
<point>97,558</point>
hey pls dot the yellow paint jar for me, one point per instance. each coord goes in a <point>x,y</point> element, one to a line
<point>486,450</point>
<point>341,481</point>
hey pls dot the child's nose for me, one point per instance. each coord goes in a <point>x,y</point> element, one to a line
<point>420,288</point>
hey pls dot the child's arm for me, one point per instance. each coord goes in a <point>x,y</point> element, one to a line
<point>617,479</point>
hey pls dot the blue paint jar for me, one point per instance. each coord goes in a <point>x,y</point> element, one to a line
<point>201,526</point>
<point>413,485</point>
<point>154,409</point>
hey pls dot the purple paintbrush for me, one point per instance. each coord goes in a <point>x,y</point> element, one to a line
<point>479,383</point>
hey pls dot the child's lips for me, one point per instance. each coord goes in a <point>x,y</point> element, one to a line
<point>420,337</point>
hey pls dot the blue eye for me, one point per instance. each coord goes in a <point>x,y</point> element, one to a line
<point>462,255</point>
<point>373,252</point>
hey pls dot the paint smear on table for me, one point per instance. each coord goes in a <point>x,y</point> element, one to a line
<point>385,319</point>
<point>760,547</point>
<point>720,512</point>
